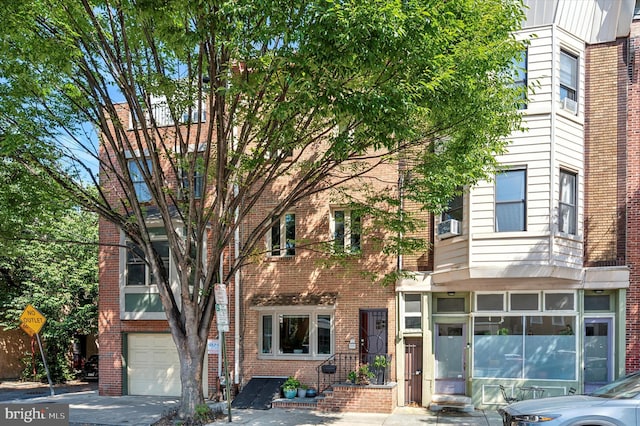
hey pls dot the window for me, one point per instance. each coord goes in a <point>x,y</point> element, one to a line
<point>597,302</point>
<point>446,305</point>
<point>193,185</point>
<point>559,302</point>
<point>520,78</point>
<point>347,228</point>
<point>303,332</point>
<point>137,178</point>
<point>282,236</point>
<point>567,203</point>
<point>524,301</point>
<point>531,345</point>
<point>137,271</point>
<point>568,76</point>
<point>525,347</point>
<point>454,209</point>
<point>490,302</point>
<point>412,312</point>
<point>511,201</point>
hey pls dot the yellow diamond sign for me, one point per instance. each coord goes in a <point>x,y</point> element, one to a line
<point>32,319</point>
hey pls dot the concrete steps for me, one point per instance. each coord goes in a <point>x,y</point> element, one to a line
<point>458,402</point>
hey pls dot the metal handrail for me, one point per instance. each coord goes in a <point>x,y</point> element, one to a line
<point>336,368</point>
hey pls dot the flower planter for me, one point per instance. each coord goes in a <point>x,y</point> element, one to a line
<point>302,392</point>
<point>328,369</point>
<point>290,393</point>
<point>311,393</point>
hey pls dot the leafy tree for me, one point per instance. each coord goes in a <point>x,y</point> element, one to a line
<point>302,96</point>
<point>50,268</point>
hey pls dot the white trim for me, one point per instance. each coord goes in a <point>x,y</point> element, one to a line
<point>313,311</point>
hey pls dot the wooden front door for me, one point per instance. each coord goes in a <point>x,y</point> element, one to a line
<point>413,371</point>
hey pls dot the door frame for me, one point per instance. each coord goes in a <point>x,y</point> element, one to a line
<point>459,385</point>
<point>609,320</point>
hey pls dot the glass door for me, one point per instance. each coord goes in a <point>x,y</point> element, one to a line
<point>450,358</point>
<point>598,352</point>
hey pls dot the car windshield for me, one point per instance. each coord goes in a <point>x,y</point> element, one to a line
<point>626,387</point>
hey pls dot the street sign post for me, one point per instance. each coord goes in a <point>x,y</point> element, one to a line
<point>33,319</point>
<point>31,322</point>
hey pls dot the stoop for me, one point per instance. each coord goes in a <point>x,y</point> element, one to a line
<point>458,402</point>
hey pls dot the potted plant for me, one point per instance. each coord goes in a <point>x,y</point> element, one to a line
<point>364,375</point>
<point>380,363</point>
<point>302,391</point>
<point>290,387</point>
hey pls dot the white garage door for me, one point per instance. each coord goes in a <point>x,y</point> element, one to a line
<point>153,367</point>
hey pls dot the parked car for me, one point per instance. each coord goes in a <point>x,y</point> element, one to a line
<point>90,368</point>
<point>615,404</point>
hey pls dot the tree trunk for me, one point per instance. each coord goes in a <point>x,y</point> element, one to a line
<point>191,356</point>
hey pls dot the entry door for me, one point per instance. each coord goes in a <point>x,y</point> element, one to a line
<point>413,371</point>
<point>598,352</point>
<point>450,358</point>
<point>373,334</point>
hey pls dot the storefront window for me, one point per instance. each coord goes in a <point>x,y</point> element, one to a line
<point>525,347</point>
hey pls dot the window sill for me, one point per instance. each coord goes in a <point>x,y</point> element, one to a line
<point>286,258</point>
<point>294,357</point>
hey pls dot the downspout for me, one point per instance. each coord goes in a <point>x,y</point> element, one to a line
<point>236,311</point>
<point>221,272</point>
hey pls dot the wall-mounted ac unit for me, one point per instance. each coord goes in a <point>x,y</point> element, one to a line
<point>569,105</point>
<point>449,228</point>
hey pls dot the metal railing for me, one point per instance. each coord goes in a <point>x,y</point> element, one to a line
<point>337,368</point>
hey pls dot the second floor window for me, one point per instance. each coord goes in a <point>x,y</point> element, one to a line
<point>510,208</point>
<point>137,270</point>
<point>520,78</point>
<point>137,178</point>
<point>347,228</point>
<point>193,184</point>
<point>282,241</point>
<point>568,76</point>
<point>454,209</point>
<point>567,204</point>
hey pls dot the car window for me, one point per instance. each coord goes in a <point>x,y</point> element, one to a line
<point>626,387</point>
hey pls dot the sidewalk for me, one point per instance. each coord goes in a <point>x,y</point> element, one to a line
<point>403,416</point>
<point>87,408</point>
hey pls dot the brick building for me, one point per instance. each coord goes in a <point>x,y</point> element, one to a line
<point>532,281</point>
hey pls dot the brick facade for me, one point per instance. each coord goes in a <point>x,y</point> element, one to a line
<point>633,203</point>
<point>307,273</point>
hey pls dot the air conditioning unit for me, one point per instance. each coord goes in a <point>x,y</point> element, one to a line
<point>569,105</point>
<point>449,228</point>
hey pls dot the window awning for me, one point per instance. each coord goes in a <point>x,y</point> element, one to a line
<point>291,299</point>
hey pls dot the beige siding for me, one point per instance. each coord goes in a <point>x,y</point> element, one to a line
<point>552,138</point>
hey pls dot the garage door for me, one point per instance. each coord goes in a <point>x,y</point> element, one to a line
<point>153,367</point>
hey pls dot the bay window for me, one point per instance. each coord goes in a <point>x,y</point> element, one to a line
<point>296,332</point>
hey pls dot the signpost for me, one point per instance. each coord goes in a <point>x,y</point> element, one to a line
<point>222,319</point>
<point>31,322</point>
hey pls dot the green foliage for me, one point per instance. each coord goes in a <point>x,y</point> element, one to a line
<point>380,361</point>
<point>302,97</point>
<point>203,415</point>
<point>291,383</point>
<point>55,270</point>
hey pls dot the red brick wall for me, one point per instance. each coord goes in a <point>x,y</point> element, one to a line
<point>633,206</point>
<point>308,273</point>
<point>360,399</point>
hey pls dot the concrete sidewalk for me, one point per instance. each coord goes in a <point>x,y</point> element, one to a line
<point>88,408</point>
<point>402,416</point>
